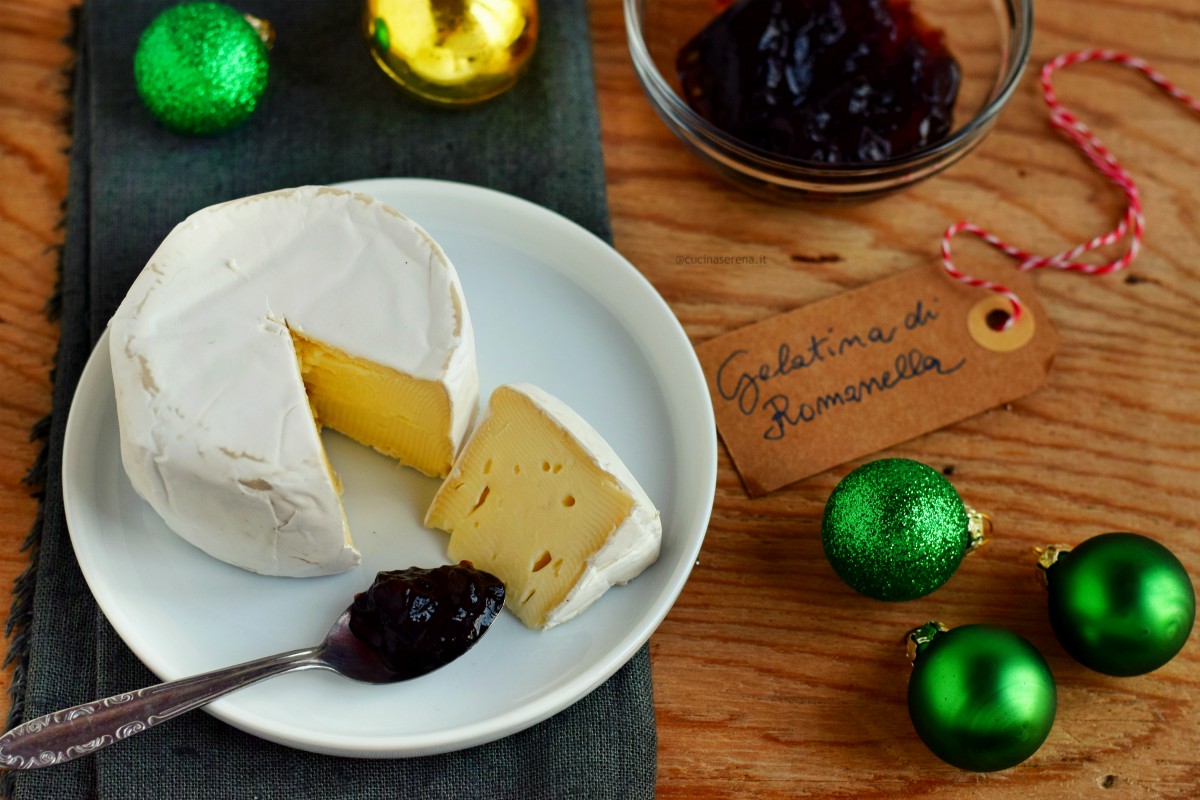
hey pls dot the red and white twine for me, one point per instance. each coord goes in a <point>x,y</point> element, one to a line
<point>1131,225</point>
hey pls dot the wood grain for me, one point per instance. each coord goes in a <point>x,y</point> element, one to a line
<point>33,174</point>
<point>772,678</point>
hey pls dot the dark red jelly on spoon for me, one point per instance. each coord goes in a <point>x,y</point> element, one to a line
<point>828,81</point>
<point>416,620</point>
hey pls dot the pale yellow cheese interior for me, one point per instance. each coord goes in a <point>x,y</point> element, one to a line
<point>401,416</point>
<point>530,506</point>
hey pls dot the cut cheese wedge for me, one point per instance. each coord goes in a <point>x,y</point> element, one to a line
<point>540,500</point>
<point>255,323</point>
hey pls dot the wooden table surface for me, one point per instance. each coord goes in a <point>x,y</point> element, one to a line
<point>772,678</point>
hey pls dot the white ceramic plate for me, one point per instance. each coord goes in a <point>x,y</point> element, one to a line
<point>551,305</point>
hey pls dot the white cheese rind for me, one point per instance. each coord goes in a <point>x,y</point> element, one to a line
<point>216,430</point>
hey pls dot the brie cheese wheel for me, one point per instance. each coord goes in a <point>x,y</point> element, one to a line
<point>259,320</point>
<point>540,500</point>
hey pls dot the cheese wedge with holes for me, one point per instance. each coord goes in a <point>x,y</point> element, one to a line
<point>540,500</point>
<point>256,322</point>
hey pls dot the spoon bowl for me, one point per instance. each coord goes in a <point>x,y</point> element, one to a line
<point>347,655</point>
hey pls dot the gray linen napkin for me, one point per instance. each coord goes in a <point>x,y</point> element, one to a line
<point>329,115</point>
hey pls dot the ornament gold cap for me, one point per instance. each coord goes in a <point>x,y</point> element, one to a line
<point>919,637</point>
<point>264,29</point>
<point>979,528</point>
<point>1048,556</point>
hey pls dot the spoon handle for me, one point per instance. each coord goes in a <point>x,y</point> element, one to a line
<point>64,735</point>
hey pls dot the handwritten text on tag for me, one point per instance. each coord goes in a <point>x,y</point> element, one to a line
<point>856,373</point>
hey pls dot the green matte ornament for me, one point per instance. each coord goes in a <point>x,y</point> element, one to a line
<point>201,68</point>
<point>1120,603</point>
<point>896,529</point>
<point>980,697</point>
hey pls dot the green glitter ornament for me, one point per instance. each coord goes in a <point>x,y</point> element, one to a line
<point>980,697</point>
<point>201,68</point>
<point>1120,603</point>
<point>896,529</point>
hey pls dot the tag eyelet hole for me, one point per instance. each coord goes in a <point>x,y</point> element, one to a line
<point>990,324</point>
<point>997,318</point>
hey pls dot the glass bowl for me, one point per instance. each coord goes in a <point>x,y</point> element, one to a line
<point>989,38</point>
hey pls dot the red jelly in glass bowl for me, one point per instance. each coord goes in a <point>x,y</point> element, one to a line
<point>829,100</point>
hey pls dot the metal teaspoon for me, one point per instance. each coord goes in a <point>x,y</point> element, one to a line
<point>65,735</point>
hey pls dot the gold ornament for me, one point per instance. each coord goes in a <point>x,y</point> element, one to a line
<point>452,52</point>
